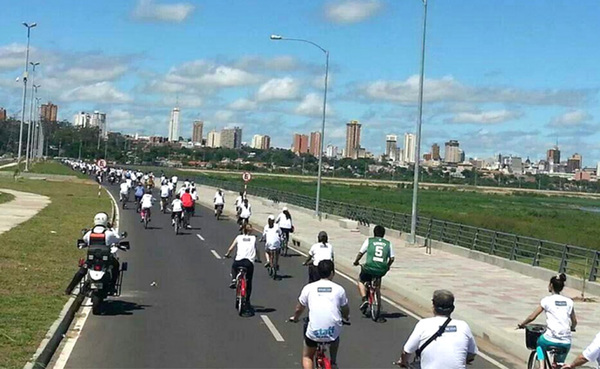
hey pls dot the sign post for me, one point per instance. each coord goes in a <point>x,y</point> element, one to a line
<point>101,163</point>
<point>246,177</point>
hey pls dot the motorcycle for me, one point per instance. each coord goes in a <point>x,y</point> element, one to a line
<point>95,276</point>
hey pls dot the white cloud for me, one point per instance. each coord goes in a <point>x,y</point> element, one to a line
<point>278,89</point>
<point>149,10</point>
<point>202,73</point>
<point>570,119</point>
<point>243,104</point>
<point>312,106</point>
<point>279,63</point>
<point>352,11</point>
<point>486,117</point>
<point>447,89</point>
<point>185,101</point>
<point>12,56</point>
<point>95,74</point>
<point>101,92</point>
<point>223,116</point>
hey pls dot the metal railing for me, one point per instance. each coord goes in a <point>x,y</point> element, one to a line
<point>563,258</point>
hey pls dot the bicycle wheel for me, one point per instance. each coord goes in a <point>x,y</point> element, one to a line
<point>533,362</point>
<point>375,305</point>
<point>145,221</point>
<point>241,295</point>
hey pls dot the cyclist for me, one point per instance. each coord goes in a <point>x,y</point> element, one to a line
<point>138,193</point>
<point>194,194</point>
<point>164,195</point>
<point>327,306</point>
<point>238,202</point>
<point>219,200</point>
<point>123,192</point>
<point>246,254</point>
<point>146,204</point>
<point>380,257</point>
<point>272,237</point>
<point>174,180</point>
<point>188,204</point>
<point>245,213</point>
<point>591,353</point>
<point>176,210</point>
<point>560,320</point>
<point>284,220</point>
<point>171,189</point>
<point>451,348</point>
<point>322,250</point>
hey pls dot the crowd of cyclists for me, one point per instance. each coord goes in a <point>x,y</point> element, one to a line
<point>437,342</point>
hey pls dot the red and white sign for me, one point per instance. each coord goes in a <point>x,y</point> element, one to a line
<point>246,176</point>
<point>101,163</point>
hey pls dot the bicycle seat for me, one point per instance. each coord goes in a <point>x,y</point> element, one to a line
<point>242,269</point>
<point>556,350</point>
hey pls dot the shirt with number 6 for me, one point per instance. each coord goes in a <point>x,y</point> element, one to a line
<point>448,351</point>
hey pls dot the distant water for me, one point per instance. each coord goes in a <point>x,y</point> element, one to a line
<point>590,210</point>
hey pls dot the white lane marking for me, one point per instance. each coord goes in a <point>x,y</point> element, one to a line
<point>215,254</point>
<point>71,341</point>
<point>407,312</point>
<point>200,236</point>
<point>272,328</point>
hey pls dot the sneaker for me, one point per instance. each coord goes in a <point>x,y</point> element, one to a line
<point>232,284</point>
<point>364,305</point>
<point>267,264</point>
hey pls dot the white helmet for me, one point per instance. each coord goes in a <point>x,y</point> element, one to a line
<point>271,217</point>
<point>101,219</point>
<point>284,209</point>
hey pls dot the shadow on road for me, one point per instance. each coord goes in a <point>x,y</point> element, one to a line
<point>396,315</point>
<point>119,307</point>
<point>262,309</point>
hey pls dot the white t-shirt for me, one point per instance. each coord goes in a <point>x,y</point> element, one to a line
<point>246,247</point>
<point>283,221</point>
<point>272,236</point>
<point>174,179</point>
<point>129,181</point>
<point>219,199</point>
<point>239,201</point>
<point>246,211</point>
<point>124,188</point>
<point>448,351</point>
<point>164,191</point>
<point>176,205</point>
<point>320,251</point>
<point>324,300</point>
<point>147,201</point>
<point>558,310</point>
<point>592,352</point>
<point>171,186</point>
<point>181,191</point>
<point>194,195</point>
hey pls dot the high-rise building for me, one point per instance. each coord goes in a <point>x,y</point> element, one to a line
<point>257,141</point>
<point>435,152</point>
<point>174,125</point>
<point>197,131</point>
<point>266,142</point>
<point>98,119</point>
<point>315,143</point>
<point>452,152</point>
<point>409,148</point>
<point>237,138</point>
<point>331,151</point>
<point>49,112</point>
<point>574,163</point>
<point>213,139</point>
<point>81,119</point>
<point>2,114</point>
<point>553,155</point>
<point>352,139</point>
<point>300,145</point>
<point>231,138</point>
<point>391,146</point>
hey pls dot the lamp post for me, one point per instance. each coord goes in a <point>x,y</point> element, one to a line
<point>25,75</point>
<point>36,129</point>
<point>320,171</point>
<point>34,89</point>
<point>413,223</point>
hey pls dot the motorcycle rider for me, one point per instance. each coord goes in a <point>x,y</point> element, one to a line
<point>102,234</point>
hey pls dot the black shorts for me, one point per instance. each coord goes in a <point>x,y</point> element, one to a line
<point>367,277</point>
<point>313,344</point>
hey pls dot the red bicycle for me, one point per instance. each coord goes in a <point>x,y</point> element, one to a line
<point>241,291</point>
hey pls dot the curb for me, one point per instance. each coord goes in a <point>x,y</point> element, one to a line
<point>59,328</point>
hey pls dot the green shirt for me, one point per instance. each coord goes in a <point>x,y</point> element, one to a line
<point>379,251</point>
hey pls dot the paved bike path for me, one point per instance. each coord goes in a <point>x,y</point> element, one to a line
<point>23,207</point>
<point>188,318</point>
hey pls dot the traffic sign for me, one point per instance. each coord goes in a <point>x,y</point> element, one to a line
<point>246,176</point>
<point>101,163</point>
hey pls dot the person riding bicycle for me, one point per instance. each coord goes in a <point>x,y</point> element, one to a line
<point>239,201</point>
<point>560,320</point>
<point>123,191</point>
<point>188,204</point>
<point>590,354</point>
<point>164,195</point>
<point>327,309</point>
<point>322,250</point>
<point>284,220</point>
<point>245,213</point>
<point>138,192</point>
<point>195,198</point>
<point>380,257</point>
<point>272,237</point>
<point>245,256</point>
<point>176,210</point>
<point>219,200</point>
<point>146,204</point>
<point>452,348</point>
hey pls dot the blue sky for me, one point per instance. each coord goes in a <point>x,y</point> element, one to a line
<point>506,76</point>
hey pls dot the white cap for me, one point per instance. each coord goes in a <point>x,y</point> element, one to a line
<point>271,217</point>
<point>284,208</point>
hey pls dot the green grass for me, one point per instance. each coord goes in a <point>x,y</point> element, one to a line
<point>552,218</point>
<point>5,197</point>
<point>49,167</point>
<point>37,260</point>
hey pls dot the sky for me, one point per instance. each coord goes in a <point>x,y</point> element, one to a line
<point>510,76</point>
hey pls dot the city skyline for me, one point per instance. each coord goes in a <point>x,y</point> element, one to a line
<point>502,93</point>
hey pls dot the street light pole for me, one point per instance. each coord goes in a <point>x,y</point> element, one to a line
<point>322,140</point>
<point>34,88</point>
<point>36,129</point>
<point>413,223</point>
<point>25,75</point>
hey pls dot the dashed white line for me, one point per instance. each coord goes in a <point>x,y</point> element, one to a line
<point>272,328</point>
<point>200,237</point>
<point>215,254</point>
<point>407,312</point>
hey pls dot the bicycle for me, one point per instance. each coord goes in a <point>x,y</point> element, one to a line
<point>284,244</point>
<point>373,309</point>
<point>241,290</point>
<point>178,223</point>
<point>532,333</point>
<point>273,266</point>
<point>163,205</point>
<point>124,199</point>
<point>219,211</point>
<point>145,217</point>
<point>321,360</point>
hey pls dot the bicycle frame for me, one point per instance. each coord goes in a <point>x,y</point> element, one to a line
<point>240,290</point>
<point>321,360</point>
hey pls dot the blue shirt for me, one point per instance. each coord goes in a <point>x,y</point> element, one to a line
<point>139,191</point>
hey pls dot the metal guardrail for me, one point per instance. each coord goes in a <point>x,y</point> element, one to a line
<point>563,258</point>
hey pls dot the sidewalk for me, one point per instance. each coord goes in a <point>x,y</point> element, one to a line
<point>22,208</point>
<point>491,299</point>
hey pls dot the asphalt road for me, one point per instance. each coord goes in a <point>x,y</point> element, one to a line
<point>188,319</point>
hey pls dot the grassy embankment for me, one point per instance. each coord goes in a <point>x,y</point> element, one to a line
<point>37,260</point>
<point>5,197</point>
<point>49,167</point>
<point>552,218</point>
